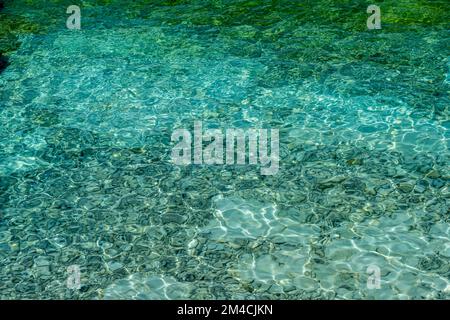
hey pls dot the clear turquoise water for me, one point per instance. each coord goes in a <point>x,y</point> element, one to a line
<point>85,172</point>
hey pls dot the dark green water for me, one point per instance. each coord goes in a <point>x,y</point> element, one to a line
<point>86,177</point>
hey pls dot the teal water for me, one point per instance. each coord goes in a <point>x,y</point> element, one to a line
<point>85,141</point>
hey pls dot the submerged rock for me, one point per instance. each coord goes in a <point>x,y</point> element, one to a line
<point>405,187</point>
<point>329,183</point>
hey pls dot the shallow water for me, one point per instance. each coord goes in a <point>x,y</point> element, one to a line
<point>85,141</point>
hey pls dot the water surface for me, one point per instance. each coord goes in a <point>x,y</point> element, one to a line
<point>85,140</point>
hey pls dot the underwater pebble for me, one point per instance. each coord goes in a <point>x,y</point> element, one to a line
<point>193,244</point>
<point>114,266</point>
<point>173,218</point>
<point>405,187</point>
